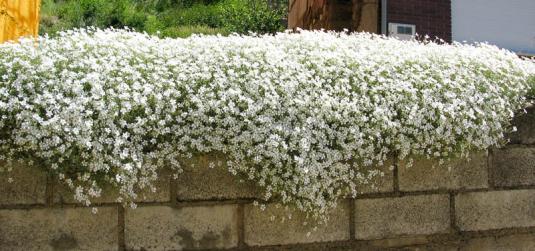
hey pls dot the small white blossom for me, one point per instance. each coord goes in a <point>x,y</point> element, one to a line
<point>306,115</point>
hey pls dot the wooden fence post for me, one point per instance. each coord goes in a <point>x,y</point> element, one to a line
<point>18,18</point>
<point>353,15</point>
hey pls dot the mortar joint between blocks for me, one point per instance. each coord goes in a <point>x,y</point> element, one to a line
<point>395,175</point>
<point>121,227</point>
<point>352,219</point>
<point>453,216</point>
<point>49,191</point>
<point>241,225</point>
<point>490,171</point>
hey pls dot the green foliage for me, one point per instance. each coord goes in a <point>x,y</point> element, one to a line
<point>186,31</point>
<point>531,81</point>
<point>250,15</point>
<point>174,18</point>
<point>196,14</point>
<point>57,15</point>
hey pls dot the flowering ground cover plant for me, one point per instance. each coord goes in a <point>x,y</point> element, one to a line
<point>308,116</point>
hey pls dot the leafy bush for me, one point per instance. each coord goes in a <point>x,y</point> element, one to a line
<point>197,14</point>
<point>165,16</point>
<point>307,116</point>
<point>255,16</point>
<point>186,31</point>
<point>83,13</point>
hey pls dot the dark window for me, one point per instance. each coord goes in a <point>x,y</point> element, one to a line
<point>405,30</point>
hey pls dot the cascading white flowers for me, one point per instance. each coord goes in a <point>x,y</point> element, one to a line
<point>307,116</point>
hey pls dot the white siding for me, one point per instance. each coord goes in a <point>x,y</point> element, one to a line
<point>507,23</point>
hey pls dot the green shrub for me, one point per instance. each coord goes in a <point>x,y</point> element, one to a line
<point>186,31</point>
<point>197,14</point>
<point>61,15</point>
<point>169,17</point>
<point>243,16</point>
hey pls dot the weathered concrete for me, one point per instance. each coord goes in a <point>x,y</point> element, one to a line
<point>524,122</point>
<point>513,166</point>
<point>63,195</point>
<point>501,243</point>
<point>167,228</point>
<point>411,209</point>
<point>495,210</point>
<point>212,183</point>
<point>59,229</point>
<point>380,184</point>
<point>28,186</point>
<point>426,174</point>
<point>399,242</point>
<point>411,215</point>
<point>272,226</point>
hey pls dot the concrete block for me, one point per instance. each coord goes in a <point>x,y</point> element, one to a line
<point>63,195</point>
<point>28,186</point>
<point>59,229</point>
<point>426,174</point>
<point>501,243</point>
<point>200,182</point>
<point>513,166</point>
<point>167,228</point>
<point>272,226</point>
<point>495,210</point>
<point>525,124</point>
<point>412,215</point>
<point>380,184</point>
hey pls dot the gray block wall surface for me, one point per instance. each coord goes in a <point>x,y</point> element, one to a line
<point>487,203</point>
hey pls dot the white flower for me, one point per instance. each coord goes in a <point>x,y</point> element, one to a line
<point>306,115</point>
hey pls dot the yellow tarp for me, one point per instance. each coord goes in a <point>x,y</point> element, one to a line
<point>18,18</point>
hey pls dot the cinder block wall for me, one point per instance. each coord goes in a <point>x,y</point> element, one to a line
<point>487,203</point>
